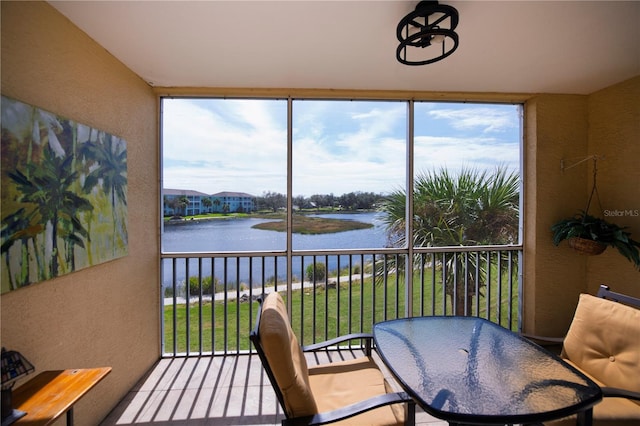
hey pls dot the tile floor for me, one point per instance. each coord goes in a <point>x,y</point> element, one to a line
<point>230,390</point>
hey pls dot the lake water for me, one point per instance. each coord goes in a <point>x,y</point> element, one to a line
<point>236,234</point>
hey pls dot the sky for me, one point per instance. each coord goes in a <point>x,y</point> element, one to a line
<point>240,145</point>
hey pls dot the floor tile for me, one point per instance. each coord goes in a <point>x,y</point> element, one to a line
<point>213,391</point>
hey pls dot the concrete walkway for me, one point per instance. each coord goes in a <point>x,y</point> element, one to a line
<point>256,292</point>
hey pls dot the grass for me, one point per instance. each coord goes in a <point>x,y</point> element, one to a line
<point>314,225</point>
<point>340,310</point>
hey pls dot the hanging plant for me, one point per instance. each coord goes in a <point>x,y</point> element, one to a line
<point>591,235</point>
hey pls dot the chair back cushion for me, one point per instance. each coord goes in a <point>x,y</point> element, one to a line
<point>285,357</point>
<point>604,341</point>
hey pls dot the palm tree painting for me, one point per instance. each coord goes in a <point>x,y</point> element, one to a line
<point>64,196</point>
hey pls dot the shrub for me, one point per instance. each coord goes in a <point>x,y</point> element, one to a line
<point>207,287</point>
<point>317,274</point>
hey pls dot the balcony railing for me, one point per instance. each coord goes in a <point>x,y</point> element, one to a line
<point>208,298</point>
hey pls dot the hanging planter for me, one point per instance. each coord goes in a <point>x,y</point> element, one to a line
<point>586,247</point>
<point>591,235</point>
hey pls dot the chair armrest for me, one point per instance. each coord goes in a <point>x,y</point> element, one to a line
<point>354,409</point>
<point>543,340</point>
<point>608,392</point>
<point>332,342</point>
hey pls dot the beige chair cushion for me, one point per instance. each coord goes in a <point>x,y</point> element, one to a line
<point>604,341</point>
<point>346,382</point>
<point>609,412</point>
<point>285,357</point>
<point>325,387</point>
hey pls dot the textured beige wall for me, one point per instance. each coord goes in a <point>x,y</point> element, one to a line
<point>556,129</point>
<point>614,133</point>
<point>106,315</point>
<point>606,124</point>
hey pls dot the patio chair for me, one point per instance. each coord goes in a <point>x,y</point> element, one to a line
<point>603,342</point>
<point>351,392</point>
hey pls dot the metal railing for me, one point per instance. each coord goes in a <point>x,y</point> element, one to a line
<point>208,299</point>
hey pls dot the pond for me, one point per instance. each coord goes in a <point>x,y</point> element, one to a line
<point>237,234</point>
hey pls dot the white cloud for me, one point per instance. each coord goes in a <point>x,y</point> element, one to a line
<point>456,153</point>
<point>210,151</point>
<point>339,147</point>
<point>489,119</point>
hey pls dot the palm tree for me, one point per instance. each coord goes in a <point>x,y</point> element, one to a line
<point>184,203</point>
<point>107,158</point>
<point>173,202</point>
<point>21,227</point>
<point>49,190</point>
<point>206,201</point>
<point>467,209</point>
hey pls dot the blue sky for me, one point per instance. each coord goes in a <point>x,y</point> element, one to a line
<point>214,145</point>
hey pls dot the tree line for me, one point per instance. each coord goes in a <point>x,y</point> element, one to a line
<point>351,201</point>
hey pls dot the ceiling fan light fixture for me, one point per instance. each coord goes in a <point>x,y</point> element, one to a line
<point>427,34</point>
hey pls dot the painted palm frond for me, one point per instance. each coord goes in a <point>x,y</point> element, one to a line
<point>60,180</point>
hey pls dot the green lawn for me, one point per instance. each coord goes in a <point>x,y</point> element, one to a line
<point>354,303</point>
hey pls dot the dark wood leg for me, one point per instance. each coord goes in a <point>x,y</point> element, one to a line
<point>70,417</point>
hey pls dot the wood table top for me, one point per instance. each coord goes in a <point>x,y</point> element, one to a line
<point>50,394</point>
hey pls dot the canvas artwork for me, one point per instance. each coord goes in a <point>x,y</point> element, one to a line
<point>64,195</point>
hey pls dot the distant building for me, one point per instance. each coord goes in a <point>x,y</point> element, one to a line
<point>173,204</point>
<point>185,202</point>
<point>232,202</point>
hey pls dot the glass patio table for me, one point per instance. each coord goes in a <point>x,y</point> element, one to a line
<point>468,370</point>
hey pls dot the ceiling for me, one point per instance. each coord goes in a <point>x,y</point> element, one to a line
<point>505,46</point>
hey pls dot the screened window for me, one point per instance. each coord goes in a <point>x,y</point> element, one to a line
<point>239,171</point>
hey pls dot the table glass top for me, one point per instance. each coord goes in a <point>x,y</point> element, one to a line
<point>463,368</point>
